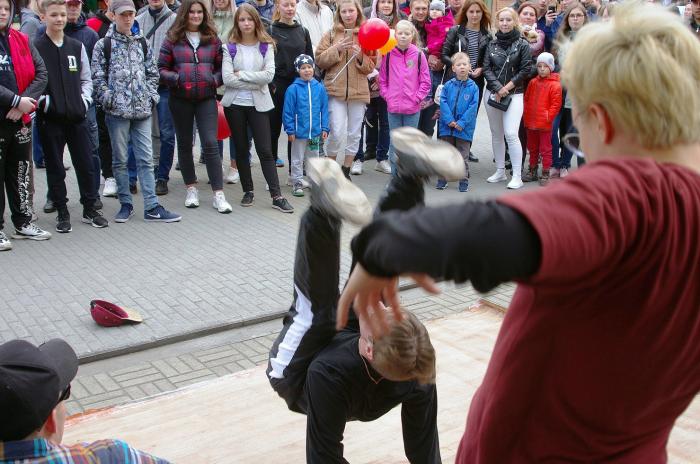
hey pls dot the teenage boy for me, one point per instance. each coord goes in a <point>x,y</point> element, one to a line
<point>155,21</point>
<point>62,116</point>
<point>127,88</point>
<point>34,385</point>
<point>334,377</point>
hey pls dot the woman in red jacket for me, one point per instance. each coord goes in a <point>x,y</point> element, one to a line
<point>190,64</point>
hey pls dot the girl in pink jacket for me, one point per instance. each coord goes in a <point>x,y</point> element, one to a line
<point>404,81</point>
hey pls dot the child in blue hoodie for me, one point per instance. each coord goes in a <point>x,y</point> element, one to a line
<point>305,118</point>
<point>459,101</point>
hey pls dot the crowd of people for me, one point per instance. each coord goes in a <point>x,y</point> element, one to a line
<point>131,80</point>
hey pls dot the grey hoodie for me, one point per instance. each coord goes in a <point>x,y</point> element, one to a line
<point>131,89</point>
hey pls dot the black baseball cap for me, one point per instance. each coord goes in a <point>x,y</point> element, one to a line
<point>32,380</point>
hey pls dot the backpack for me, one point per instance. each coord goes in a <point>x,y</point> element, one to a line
<point>232,49</point>
<point>108,52</point>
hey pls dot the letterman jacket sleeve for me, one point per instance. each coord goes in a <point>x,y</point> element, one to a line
<point>85,78</point>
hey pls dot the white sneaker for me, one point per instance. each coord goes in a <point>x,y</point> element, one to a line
<point>499,176</point>
<point>304,183</point>
<point>420,155</point>
<point>383,166</point>
<point>356,168</point>
<point>516,182</point>
<point>110,189</point>
<point>221,204</point>
<point>335,194</point>
<point>267,187</point>
<point>192,198</point>
<point>31,232</point>
<point>5,243</point>
<point>233,177</point>
<point>563,172</point>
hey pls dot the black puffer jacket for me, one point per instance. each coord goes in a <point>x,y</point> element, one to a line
<point>506,61</point>
<point>457,36</point>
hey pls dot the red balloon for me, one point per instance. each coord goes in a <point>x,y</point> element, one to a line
<point>373,34</point>
<point>222,130</point>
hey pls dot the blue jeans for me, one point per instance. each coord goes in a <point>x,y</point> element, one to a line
<point>121,132</point>
<point>37,151</point>
<point>167,135</point>
<point>397,120</point>
<point>131,164</point>
<point>94,138</point>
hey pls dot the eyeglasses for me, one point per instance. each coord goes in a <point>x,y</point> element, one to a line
<point>65,395</point>
<point>572,142</point>
<point>579,15</point>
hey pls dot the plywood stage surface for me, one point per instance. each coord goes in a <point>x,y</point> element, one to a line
<point>239,419</point>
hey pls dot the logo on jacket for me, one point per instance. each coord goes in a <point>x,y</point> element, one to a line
<point>72,63</point>
<point>410,63</point>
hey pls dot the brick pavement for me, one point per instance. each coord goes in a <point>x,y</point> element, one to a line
<point>208,271</point>
<point>136,376</point>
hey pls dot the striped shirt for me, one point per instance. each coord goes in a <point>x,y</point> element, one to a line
<point>41,451</point>
<point>473,48</point>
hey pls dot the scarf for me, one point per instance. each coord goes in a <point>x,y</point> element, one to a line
<point>505,40</point>
<point>388,19</point>
<point>22,63</point>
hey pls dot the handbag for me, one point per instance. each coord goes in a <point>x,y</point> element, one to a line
<point>499,105</point>
<point>438,89</point>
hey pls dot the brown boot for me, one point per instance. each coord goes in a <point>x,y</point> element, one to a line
<point>531,174</point>
<point>544,178</point>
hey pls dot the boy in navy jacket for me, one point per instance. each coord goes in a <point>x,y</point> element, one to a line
<point>305,118</point>
<point>62,116</point>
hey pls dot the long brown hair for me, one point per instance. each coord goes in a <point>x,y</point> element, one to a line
<point>261,34</point>
<point>462,19</point>
<point>565,29</point>
<point>207,30</point>
<point>338,21</point>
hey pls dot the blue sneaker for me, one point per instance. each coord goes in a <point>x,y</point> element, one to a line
<point>125,212</point>
<point>160,214</point>
<point>279,163</point>
<point>464,185</point>
<point>441,184</point>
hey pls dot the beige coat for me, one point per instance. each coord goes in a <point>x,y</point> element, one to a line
<point>352,83</point>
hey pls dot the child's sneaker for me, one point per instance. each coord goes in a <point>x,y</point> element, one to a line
<point>531,174</point>
<point>441,184</point>
<point>544,178</point>
<point>334,194</point>
<point>30,231</point>
<point>5,243</point>
<point>463,185</point>
<point>160,214</point>
<point>298,190</point>
<point>420,156</point>
<point>563,172</point>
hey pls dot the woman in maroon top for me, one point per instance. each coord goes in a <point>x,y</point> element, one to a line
<point>598,354</point>
<point>190,65</point>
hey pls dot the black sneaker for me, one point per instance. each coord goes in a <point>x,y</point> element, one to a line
<point>63,221</point>
<point>283,205</point>
<point>248,199</point>
<point>133,189</point>
<point>49,207</point>
<point>161,187</point>
<point>98,204</point>
<point>473,158</point>
<point>94,218</point>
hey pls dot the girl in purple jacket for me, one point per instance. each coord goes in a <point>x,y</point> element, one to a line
<point>404,81</point>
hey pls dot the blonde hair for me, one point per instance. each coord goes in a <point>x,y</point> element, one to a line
<point>45,4</point>
<point>513,14</point>
<point>406,353</point>
<point>639,66</point>
<point>408,25</point>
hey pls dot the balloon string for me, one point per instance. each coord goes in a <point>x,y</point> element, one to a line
<point>343,68</point>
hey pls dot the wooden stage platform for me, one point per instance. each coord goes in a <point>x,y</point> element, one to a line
<point>239,419</point>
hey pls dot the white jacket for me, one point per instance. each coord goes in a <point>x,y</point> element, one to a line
<point>317,19</point>
<point>256,81</point>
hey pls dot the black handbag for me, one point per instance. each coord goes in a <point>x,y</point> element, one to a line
<point>500,105</point>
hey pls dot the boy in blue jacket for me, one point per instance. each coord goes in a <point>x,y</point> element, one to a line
<point>305,118</point>
<point>459,102</point>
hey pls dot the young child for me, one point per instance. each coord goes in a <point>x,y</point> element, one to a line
<point>459,102</point>
<point>404,81</point>
<point>305,118</point>
<point>62,116</point>
<point>542,104</point>
<point>436,29</point>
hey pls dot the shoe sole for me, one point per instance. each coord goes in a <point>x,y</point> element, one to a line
<point>226,211</point>
<point>40,238</point>
<point>64,231</point>
<point>337,194</point>
<point>300,194</point>
<point>421,155</point>
<point>160,194</point>
<point>96,226</point>
<point>192,205</point>
<point>441,188</point>
<point>109,195</point>
<point>230,182</point>
<point>5,247</point>
<point>494,181</point>
<point>122,221</point>
<point>288,211</point>
<point>49,210</point>
<point>162,220</point>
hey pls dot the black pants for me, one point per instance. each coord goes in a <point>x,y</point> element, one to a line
<point>184,113</point>
<point>276,119</point>
<point>239,119</point>
<point>15,158</point>
<point>105,145</point>
<point>54,136</point>
<point>316,279</point>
